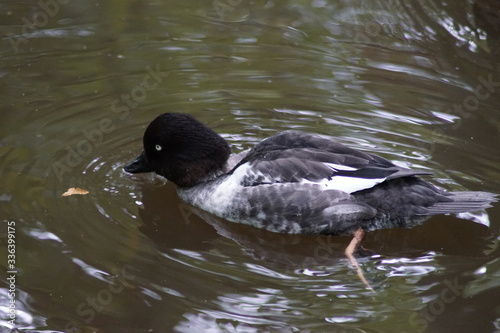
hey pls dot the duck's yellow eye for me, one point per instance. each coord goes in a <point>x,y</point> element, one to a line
<point>158,147</point>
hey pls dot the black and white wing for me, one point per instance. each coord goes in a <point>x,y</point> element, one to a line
<point>296,157</point>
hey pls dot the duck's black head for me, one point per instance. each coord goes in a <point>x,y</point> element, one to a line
<point>181,149</point>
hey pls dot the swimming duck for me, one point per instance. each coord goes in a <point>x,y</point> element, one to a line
<point>294,182</point>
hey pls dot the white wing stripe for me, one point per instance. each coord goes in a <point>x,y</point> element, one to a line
<point>334,166</point>
<point>341,183</point>
<point>347,184</point>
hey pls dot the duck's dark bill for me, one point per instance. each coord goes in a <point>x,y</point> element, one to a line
<point>140,164</point>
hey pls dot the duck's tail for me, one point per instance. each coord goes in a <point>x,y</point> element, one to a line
<point>461,202</point>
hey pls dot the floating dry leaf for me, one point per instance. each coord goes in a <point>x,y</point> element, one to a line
<point>74,190</point>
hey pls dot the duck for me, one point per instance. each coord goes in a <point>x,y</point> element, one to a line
<point>294,182</point>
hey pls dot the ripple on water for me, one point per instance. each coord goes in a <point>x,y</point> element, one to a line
<point>379,76</point>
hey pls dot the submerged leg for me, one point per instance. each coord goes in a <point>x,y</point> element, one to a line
<point>349,252</point>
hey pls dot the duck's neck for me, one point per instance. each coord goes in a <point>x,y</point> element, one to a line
<point>203,169</point>
<point>234,159</point>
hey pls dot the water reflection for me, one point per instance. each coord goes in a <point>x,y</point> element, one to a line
<point>415,82</point>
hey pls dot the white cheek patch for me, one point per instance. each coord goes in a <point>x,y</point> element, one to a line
<point>347,184</point>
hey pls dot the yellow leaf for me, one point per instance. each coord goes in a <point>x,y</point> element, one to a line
<point>74,190</point>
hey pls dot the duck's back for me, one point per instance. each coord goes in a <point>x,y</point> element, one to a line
<point>296,182</point>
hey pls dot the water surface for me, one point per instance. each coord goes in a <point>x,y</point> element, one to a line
<point>418,83</point>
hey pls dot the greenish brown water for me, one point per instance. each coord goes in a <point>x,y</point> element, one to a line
<point>416,82</point>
